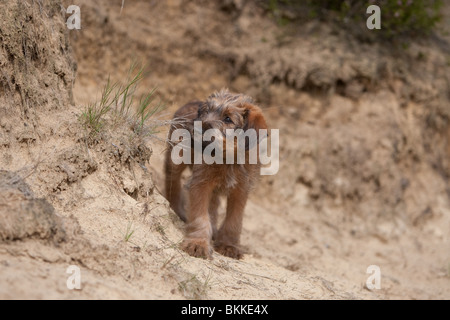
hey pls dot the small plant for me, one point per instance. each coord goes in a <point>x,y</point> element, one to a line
<point>193,288</point>
<point>119,103</point>
<point>93,116</point>
<point>160,228</point>
<point>145,111</point>
<point>128,232</point>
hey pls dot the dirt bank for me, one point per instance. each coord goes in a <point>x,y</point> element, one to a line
<point>364,156</point>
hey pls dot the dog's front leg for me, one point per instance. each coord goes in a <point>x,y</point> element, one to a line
<point>197,241</point>
<point>228,236</point>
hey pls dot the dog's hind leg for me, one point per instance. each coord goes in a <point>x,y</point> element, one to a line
<point>173,185</point>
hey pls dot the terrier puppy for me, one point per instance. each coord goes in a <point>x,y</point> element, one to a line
<point>221,111</point>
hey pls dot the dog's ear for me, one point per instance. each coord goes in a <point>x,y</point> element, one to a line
<point>253,117</point>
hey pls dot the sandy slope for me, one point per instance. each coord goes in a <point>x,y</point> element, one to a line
<point>357,185</point>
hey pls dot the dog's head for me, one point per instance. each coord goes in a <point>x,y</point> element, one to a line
<point>223,111</point>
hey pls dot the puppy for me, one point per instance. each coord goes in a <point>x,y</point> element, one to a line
<point>221,111</point>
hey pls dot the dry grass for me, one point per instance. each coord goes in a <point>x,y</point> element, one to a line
<point>120,104</point>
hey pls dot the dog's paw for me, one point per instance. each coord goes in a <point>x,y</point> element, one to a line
<point>197,248</point>
<point>229,251</point>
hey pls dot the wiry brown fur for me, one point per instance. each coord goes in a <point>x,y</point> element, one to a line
<point>208,182</point>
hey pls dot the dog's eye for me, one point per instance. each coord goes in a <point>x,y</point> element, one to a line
<point>228,120</point>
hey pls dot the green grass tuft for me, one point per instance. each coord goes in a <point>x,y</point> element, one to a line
<point>120,104</point>
<point>129,232</point>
